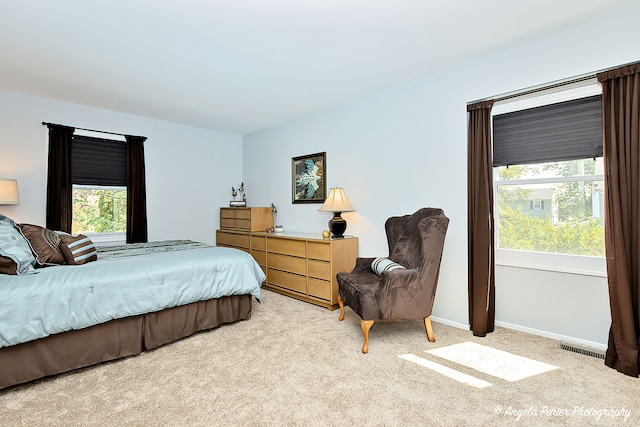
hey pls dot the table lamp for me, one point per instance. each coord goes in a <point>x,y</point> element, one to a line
<point>337,203</point>
<point>9,192</point>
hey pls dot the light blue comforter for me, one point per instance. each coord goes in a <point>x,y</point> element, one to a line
<point>62,298</point>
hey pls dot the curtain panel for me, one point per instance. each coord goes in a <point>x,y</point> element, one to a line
<point>59,190</point>
<point>621,130</point>
<point>481,262</point>
<point>136,190</point>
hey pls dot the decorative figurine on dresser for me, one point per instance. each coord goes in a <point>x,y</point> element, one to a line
<point>239,192</point>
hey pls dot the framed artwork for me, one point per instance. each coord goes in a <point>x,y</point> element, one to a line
<point>309,178</point>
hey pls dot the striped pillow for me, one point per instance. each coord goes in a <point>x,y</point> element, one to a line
<point>384,264</point>
<point>78,250</point>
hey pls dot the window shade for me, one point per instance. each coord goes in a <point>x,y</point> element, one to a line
<point>98,161</point>
<point>564,131</point>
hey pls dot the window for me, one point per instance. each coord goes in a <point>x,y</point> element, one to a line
<point>99,188</point>
<point>99,209</point>
<point>573,191</point>
<point>548,182</point>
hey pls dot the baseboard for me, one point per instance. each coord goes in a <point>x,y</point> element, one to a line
<point>559,337</point>
<point>449,322</point>
<point>546,334</point>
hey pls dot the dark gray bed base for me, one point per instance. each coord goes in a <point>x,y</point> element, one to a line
<point>116,339</point>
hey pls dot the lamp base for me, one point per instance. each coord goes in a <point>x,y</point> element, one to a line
<point>337,226</point>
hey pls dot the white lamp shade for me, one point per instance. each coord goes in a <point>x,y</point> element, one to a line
<point>9,192</point>
<point>336,202</point>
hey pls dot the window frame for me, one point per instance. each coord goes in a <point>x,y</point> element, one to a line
<point>563,263</point>
<point>102,239</point>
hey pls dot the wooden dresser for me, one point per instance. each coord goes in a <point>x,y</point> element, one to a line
<point>246,219</point>
<point>303,266</point>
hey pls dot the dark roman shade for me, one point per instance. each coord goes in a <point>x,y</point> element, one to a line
<point>563,131</point>
<point>98,161</point>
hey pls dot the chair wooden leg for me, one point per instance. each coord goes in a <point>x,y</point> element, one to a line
<point>427,326</point>
<point>341,304</point>
<point>366,325</point>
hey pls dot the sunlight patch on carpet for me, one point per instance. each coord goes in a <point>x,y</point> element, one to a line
<point>488,360</point>
<point>448,372</point>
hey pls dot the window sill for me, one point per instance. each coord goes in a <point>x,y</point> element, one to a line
<point>561,263</point>
<point>107,239</point>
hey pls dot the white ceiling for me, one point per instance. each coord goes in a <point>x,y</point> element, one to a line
<point>241,65</point>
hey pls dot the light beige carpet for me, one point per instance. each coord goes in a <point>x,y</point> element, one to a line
<point>294,363</point>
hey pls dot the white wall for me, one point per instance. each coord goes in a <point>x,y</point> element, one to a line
<point>190,171</point>
<point>405,148</point>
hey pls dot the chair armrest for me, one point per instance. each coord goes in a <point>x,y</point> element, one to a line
<point>362,265</point>
<point>400,278</point>
<point>396,282</point>
<point>402,295</point>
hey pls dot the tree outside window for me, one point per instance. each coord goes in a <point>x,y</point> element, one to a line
<point>99,210</point>
<point>552,207</point>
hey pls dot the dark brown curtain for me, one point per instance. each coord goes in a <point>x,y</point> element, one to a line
<point>59,191</point>
<point>621,126</point>
<point>136,190</point>
<point>480,220</point>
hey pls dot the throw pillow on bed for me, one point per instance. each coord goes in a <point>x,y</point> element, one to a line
<point>78,249</point>
<point>383,264</point>
<point>7,265</point>
<point>44,243</point>
<point>14,246</point>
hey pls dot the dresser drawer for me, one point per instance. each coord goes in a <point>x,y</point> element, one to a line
<point>243,214</point>
<point>319,288</point>
<point>286,246</point>
<point>259,243</point>
<point>259,256</point>
<point>227,223</point>
<point>319,269</point>
<point>230,239</point>
<point>243,224</point>
<point>286,280</point>
<point>319,251</point>
<point>288,263</point>
<point>227,213</point>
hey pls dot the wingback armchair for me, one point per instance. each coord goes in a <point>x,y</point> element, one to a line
<point>415,242</point>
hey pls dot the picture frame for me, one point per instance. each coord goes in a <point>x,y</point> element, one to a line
<point>309,178</point>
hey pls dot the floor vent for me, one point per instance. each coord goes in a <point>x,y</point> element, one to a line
<point>577,348</point>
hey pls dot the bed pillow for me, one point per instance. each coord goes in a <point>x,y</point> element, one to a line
<point>45,244</point>
<point>383,264</point>
<point>7,265</point>
<point>78,249</point>
<point>14,246</point>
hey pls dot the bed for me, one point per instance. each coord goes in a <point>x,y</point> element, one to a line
<point>130,299</point>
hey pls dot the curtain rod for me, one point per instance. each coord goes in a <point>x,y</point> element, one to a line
<point>90,130</point>
<point>538,88</point>
<point>551,85</point>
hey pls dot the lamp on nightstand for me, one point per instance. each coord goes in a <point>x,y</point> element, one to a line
<point>9,192</point>
<point>337,203</point>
